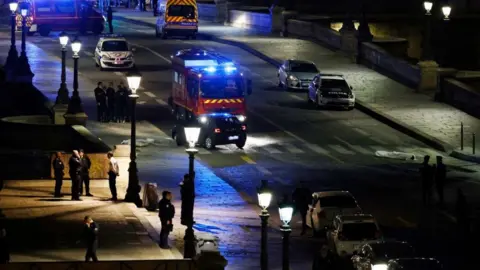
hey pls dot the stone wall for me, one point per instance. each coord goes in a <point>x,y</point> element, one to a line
<point>98,170</point>
<point>250,20</point>
<point>460,95</point>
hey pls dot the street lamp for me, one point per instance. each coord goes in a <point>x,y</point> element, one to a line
<point>446,10</point>
<point>62,95</point>
<point>428,7</point>
<point>426,46</point>
<point>188,192</point>
<point>12,53</point>
<point>264,199</point>
<point>285,210</point>
<point>23,71</point>
<point>133,190</point>
<point>75,104</point>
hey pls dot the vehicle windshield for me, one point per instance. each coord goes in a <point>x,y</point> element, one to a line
<point>359,231</point>
<point>115,46</point>
<point>182,11</point>
<point>221,87</point>
<point>223,122</point>
<point>303,67</point>
<point>393,250</point>
<point>338,201</point>
<point>340,85</point>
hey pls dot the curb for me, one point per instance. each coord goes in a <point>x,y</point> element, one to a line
<point>464,156</point>
<point>395,124</point>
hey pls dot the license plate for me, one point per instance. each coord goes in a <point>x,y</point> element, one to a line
<point>304,84</point>
<point>118,62</point>
<point>231,138</point>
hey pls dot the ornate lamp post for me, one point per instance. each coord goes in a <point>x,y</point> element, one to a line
<point>23,71</point>
<point>427,46</point>
<point>285,210</point>
<point>133,190</point>
<point>188,192</point>
<point>75,104</point>
<point>12,53</point>
<point>446,10</point>
<point>264,199</point>
<point>62,95</point>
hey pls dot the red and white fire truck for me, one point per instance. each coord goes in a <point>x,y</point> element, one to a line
<point>61,15</point>
<point>205,82</point>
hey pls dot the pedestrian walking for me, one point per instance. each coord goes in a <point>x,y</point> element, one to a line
<point>75,165</point>
<point>101,98</point>
<point>302,196</point>
<point>113,172</point>
<point>85,176</point>
<point>166,212</point>
<point>121,97</point>
<point>111,102</point>
<point>4,247</point>
<point>427,174</point>
<point>58,173</point>
<point>440,176</point>
<point>90,236</point>
<point>462,213</point>
<point>110,19</point>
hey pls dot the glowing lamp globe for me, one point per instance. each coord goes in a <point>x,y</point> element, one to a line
<point>191,134</point>
<point>133,80</point>
<point>428,6</point>
<point>286,212</point>
<point>24,11</point>
<point>264,195</point>
<point>76,47</point>
<point>13,6</point>
<point>446,12</point>
<point>63,38</point>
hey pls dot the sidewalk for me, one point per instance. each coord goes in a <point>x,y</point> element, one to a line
<point>394,103</point>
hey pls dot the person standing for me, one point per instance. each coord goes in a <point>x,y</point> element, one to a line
<point>426,172</point>
<point>85,176</point>
<point>166,212</point>
<point>302,196</point>
<point>121,97</point>
<point>111,102</point>
<point>101,98</point>
<point>75,165</point>
<point>113,172</point>
<point>440,176</point>
<point>155,8</point>
<point>58,173</point>
<point>90,236</point>
<point>110,19</point>
<point>4,247</point>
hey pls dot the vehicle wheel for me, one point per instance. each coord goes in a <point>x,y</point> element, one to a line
<point>44,31</point>
<point>351,108</point>
<point>241,143</point>
<point>285,85</point>
<point>209,143</point>
<point>102,69</point>
<point>97,29</point>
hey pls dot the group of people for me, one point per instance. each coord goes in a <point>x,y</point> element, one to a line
<point>112,105</point>
<point>433,176</point>
<point>79,170</point>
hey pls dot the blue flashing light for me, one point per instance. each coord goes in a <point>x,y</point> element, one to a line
<point>210,69</point>
<point>228,64</point>
<point>219,114</point>
<point>230,69</point>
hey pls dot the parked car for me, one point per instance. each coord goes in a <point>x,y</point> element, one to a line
<point>379,253</point>
<point>296,74</point>
<point>326,205</point>
<point>331,91</point>
<point>349,232</point>
<point>412,264</point>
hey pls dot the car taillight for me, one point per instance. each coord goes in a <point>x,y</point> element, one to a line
<point>217,130</point>
<point>244,127</point>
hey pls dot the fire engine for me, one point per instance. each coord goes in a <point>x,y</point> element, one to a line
<point>205,82</point>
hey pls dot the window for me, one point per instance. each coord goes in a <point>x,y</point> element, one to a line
<point>182,11</point>
<point>227,122</point>
<point>303,67</point>
<point>175,76</point>
<point>222,87</point>
<point>192,86</point>
<point>340,85</point>
<point>359,231</point>
<point>115,46</point>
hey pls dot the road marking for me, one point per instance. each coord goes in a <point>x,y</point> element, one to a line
<point>144,31</point>
<point>118,73</point>
<point>292,149</point>
<point>141,102</point>
<point>361,131</point>
<point>379,141</point>
<point>349,145</point>
<point>340,149</point>
<point>272,150</point>
<point>263,170</point>
<point>160,101</point>
<point>317,149</point>
<point>407,223</point>
<point>296,97</point>
<point>150,94</point>
<point>248,160</point>
<point>361,150</point>
<point>88,53</point>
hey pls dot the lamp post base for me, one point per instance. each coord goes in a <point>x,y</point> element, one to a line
<point>59,111</point>
<point>76,119</point>
<point>189,239</point>
<point>23,73</point>
<point>428,76</point>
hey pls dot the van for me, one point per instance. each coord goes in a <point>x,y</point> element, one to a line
<point>179,18</point>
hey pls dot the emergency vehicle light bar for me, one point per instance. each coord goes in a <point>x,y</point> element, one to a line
<point>200,63</point>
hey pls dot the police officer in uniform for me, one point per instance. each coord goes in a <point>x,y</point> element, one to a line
<point>75,174</point>
<point>85,176</point>
<point>166,214</point>
<point>90,235</point>
<point>101,98</point>
<point>121,97</point>
<point>58,168</point>
<point>111,102</point>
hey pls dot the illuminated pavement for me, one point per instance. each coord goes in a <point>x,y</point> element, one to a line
<point>288,142</point>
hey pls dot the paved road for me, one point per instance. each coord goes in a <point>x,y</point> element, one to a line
<point>289,141</point>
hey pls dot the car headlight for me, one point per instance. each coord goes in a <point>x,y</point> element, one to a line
<point>203,119</point>
<point>241,118</point>
<point>379,266</point>
<point>292,78</point>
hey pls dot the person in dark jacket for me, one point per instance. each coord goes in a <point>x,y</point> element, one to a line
<point>110,19</point>
<point>302,196</point>
<point>166,214</point>
<point>75,165</point>
<point>58,173</point>
<point>440,176</point>
<point>85,176</point>
<point>111,102</point>
<point>427,174</point>
<point>101,98</point>
<point>4,247</point>
<point>90,236</point>
<point>121,97</point>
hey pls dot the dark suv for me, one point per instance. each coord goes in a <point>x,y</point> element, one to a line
<point>216,129</point>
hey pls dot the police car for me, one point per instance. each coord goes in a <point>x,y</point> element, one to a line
<point>113,52</point>
<point>331,90</point>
